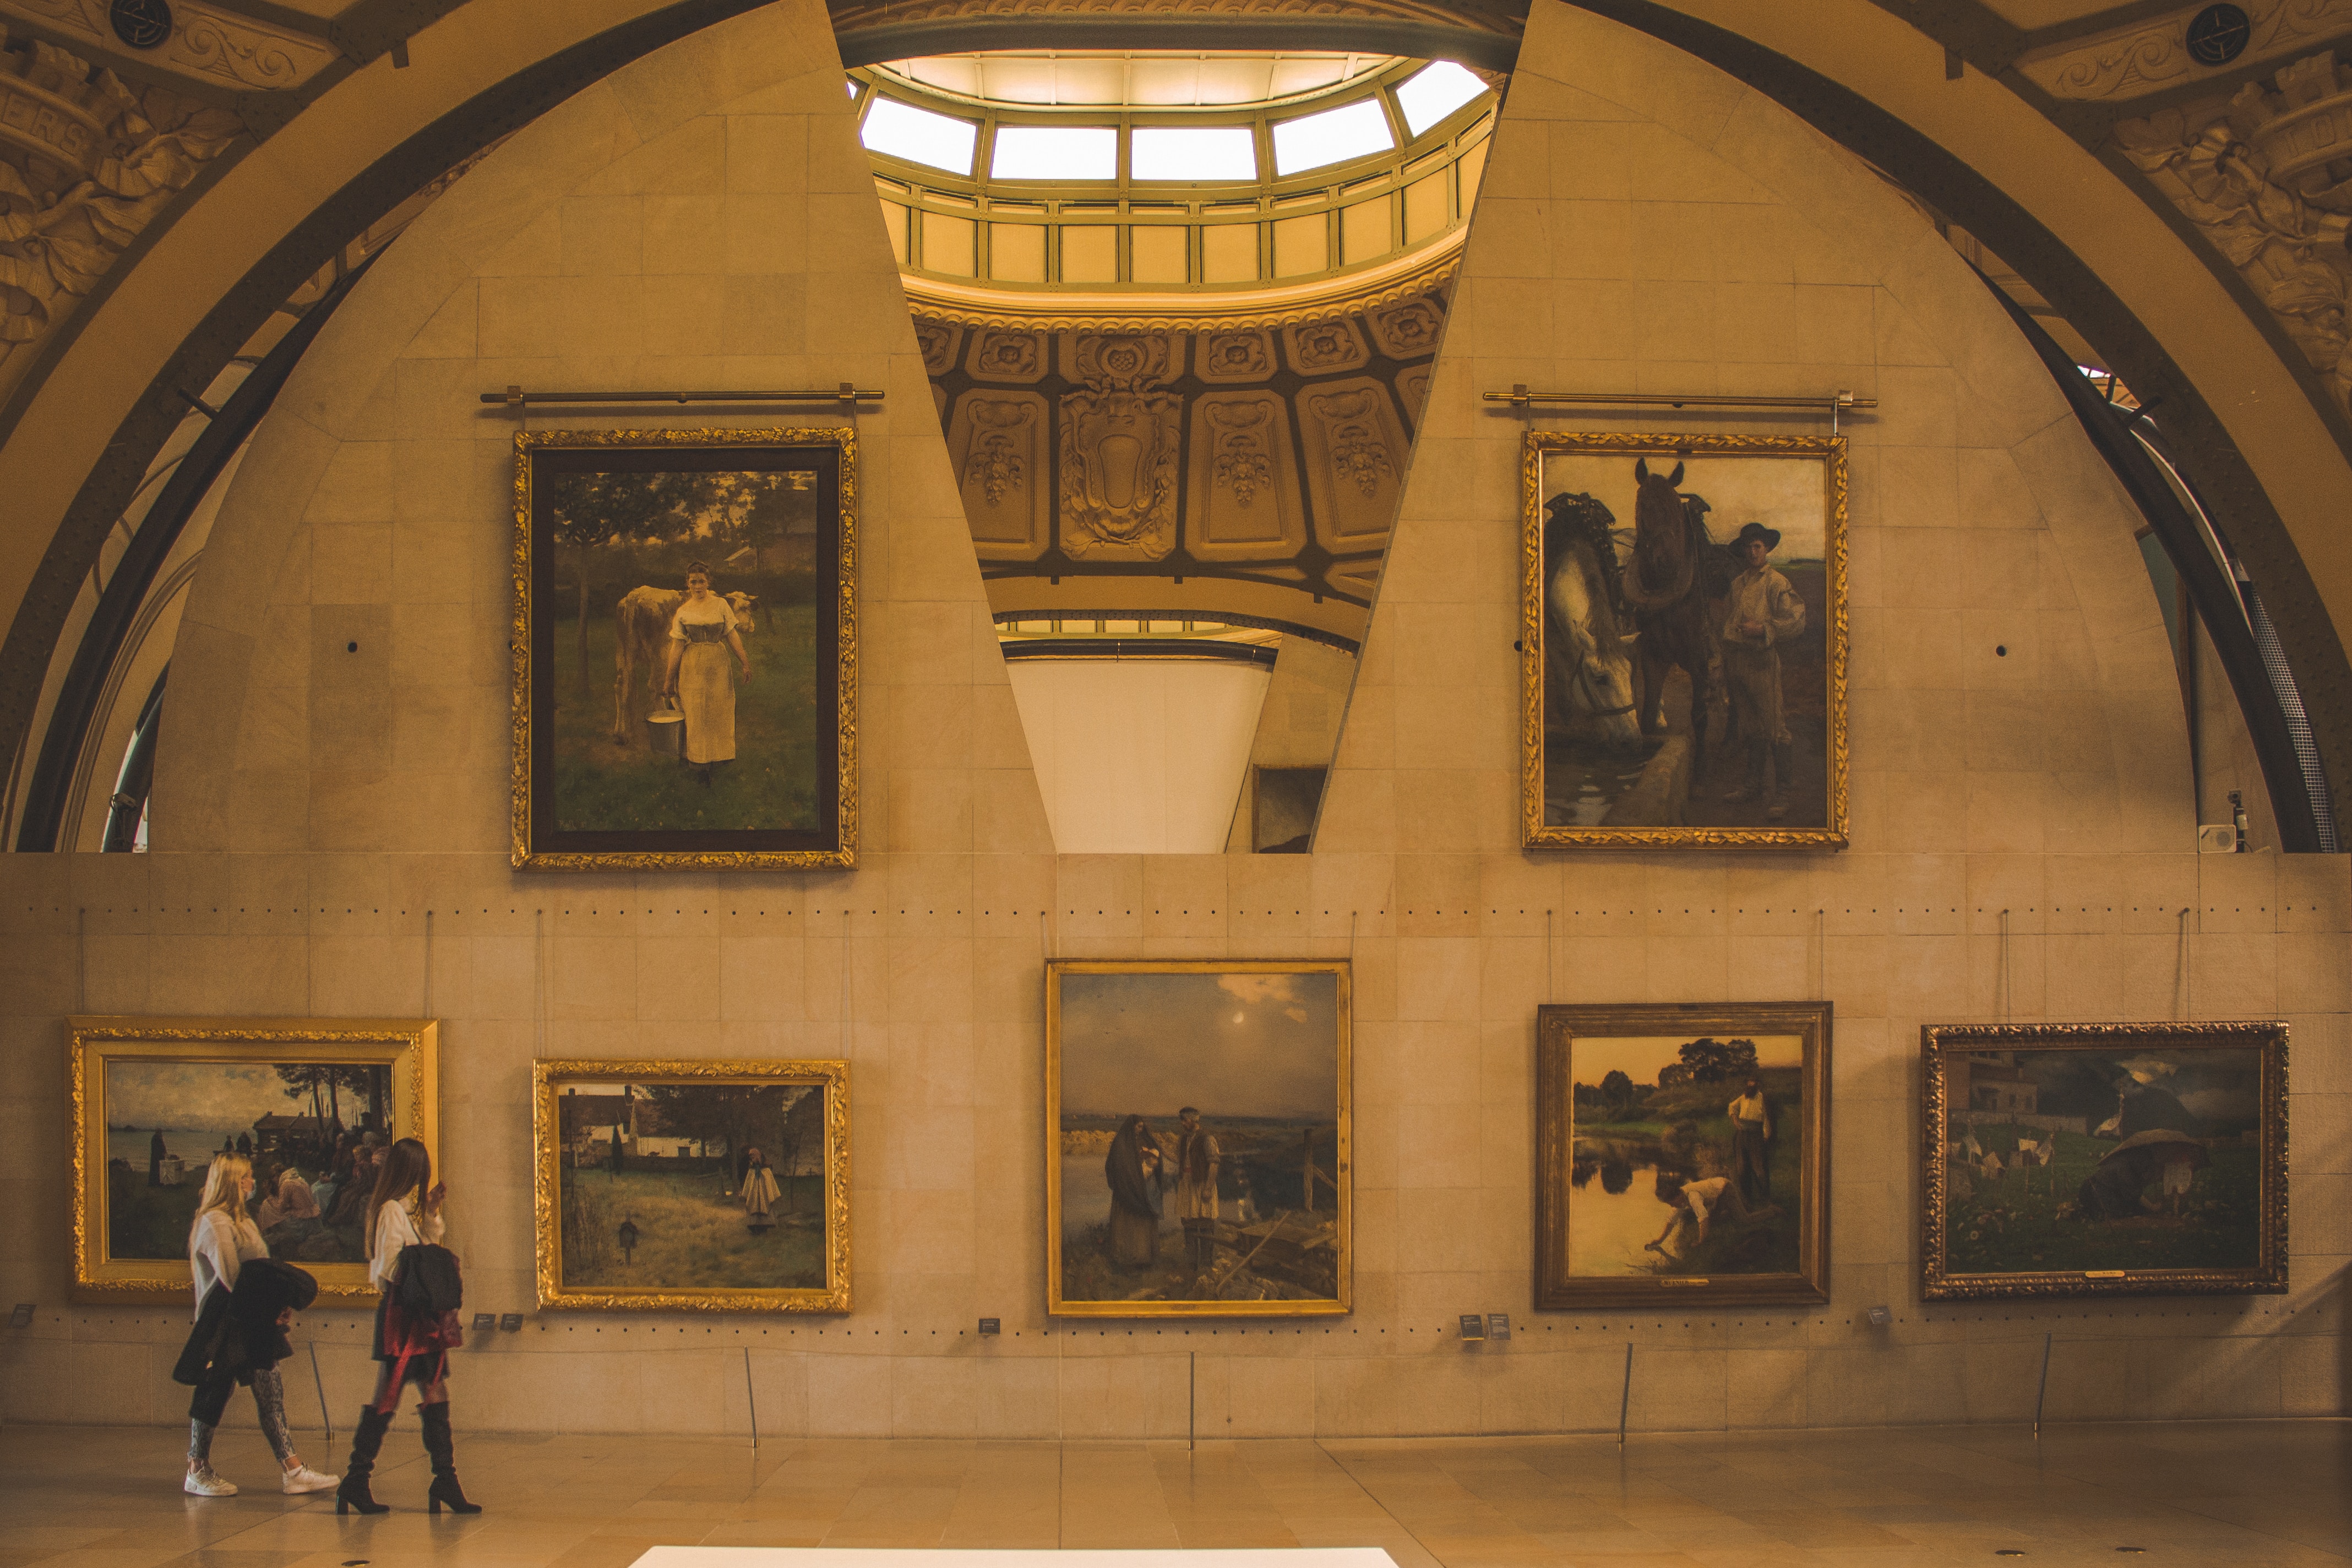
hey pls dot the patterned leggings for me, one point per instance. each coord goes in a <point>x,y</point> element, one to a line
<point>211,1401</point>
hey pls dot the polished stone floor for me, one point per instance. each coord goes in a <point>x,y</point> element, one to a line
<point>2237,1492</point>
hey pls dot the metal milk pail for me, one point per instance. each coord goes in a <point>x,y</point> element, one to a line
<point>666,730</point>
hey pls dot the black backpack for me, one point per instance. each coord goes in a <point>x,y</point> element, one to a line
<point>425,1283</point>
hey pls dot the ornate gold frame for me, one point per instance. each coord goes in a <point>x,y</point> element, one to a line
<point>2267,1277</point>
<point>547,1212</point>
<point>843,853</point>
<point>1540,443</point>
<point>408,1045</point>
<point>1343,1156</point>
<point>1557,1027</point>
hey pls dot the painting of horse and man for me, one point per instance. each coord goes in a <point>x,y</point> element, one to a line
<point>1685,623</point>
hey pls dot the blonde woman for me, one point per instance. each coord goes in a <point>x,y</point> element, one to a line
<point>701,632</point>
<point>221,1241</point>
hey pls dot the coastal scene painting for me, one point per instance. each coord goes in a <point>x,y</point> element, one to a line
<point>1198,1113</point>
<point>312,1131</point>
<point>311,1106</point>
<point>1681,1149</point>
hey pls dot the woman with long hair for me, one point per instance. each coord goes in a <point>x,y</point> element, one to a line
<point>222,1239</point>
<point>404,1211</point>
<point>697,671</point>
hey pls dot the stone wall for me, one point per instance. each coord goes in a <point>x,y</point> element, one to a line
<point>706,218</point>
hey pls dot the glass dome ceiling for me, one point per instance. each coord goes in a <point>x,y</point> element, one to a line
<point>1135,80</point>
<point>1229,183</point>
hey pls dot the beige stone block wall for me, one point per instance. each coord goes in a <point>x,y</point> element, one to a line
<point>704,218</point>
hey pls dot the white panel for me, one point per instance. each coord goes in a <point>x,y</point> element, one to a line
<point>1333,136</point>
<point>1139,756</point>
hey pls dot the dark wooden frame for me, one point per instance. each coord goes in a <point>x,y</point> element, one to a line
<point>2269,1274</point>
<point>1556,1030</point>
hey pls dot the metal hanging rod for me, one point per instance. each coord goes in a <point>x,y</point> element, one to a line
<point>1830,401</point>
<point>846,394</point>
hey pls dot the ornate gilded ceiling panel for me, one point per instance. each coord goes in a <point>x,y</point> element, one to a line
<point>87,162</point>
<point>1224,463</point>
<point>2156,55</point>
<point>206,45</point>
<point>2266,177</point>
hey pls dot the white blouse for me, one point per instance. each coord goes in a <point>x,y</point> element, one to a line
<point>216,1245</point>
<point>715,611</point>
<point>395,1227</point>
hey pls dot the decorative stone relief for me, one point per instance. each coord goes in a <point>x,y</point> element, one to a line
<point>1413,391</point>
<point>1118,448</point>
<point>1008,356</point>
<point>1355,451</point>
<point>1317,348</point>
<point>2267,179</point>
<point>85,164</point>
<point>2131,62</point>
<point>995,437</point>
<point>1244,493</point>
<point>1407,331</point>
<point>205,45</point>
<point>938,342</point>
<point>1231,358</point>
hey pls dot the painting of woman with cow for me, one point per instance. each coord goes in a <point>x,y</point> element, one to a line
<point>688,647</point>
<point>1685,639</point>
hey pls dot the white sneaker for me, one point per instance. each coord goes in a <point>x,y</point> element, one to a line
<point>204,1483</point>
<point>303,1479</point>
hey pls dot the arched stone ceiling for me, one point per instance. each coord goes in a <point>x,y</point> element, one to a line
<point>2000,112</point>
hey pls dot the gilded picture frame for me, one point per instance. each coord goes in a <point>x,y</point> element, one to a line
<point>159,1092</point>
<point>2103,1159</point>
<point>1627,593</point>
<point>671,1152</point>
<point>624,758</point>
<point>1235,1198</point>
<point>1628,1102</point>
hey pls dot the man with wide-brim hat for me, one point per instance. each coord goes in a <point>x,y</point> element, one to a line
<point>1762,613</point>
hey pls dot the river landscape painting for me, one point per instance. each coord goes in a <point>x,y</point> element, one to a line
<point>1682,1149</point>
<point>1197,1113</point>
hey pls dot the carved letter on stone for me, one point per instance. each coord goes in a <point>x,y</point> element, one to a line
<point>1118,450</point>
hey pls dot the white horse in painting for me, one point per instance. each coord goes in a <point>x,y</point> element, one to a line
<point>1589,655</point>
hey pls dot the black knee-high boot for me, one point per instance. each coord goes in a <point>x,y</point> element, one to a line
<point>445,1490</point>
<point>353,1494</point>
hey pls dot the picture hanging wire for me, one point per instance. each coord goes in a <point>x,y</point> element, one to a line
<point>326,1421</point>
<point>426,1011</point>
<point>538,983</point>
<point>2005,979</point>
<point>750,1399</point>
<point>2180,996</point>
<point>848,1034</point>
<point>81,959</point>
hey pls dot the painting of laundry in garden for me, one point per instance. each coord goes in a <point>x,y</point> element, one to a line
<point>693,1186</point>
<point>1688,616</point>
<point>2072,1160</point>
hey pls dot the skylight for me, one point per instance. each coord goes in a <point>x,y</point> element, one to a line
<point>1432,94</point>
<point>1332,137</point>
<point>1054,152</point>
<point>902,130</point>
<point>1193,153</point>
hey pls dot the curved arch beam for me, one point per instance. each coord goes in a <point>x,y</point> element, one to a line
<point>2262,452</point>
